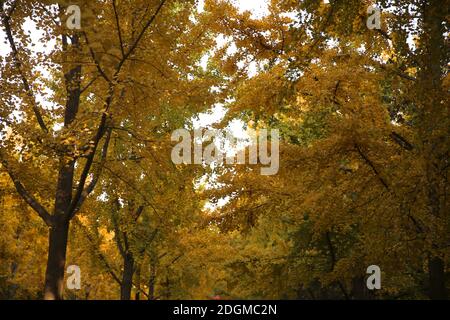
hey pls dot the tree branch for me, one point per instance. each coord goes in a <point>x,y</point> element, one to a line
<point>94,58</point>
<point>91,155</point>
<point>397,72</point>
<point>102,126</point>
<point>99,254</point>
<point>117,232</point>
<point>96,176</point>
<point>118,27</point>
<point>88,84</point>
<point>15,53</point>
<point>29,199</point>
<point>138,39</point>
<point>371,165</point>
<point>402,142</point>
<point>333,263</point>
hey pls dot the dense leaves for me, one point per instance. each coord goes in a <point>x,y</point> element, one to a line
<point>87,179</point>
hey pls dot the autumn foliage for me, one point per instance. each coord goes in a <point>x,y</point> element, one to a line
<point>87,179</point>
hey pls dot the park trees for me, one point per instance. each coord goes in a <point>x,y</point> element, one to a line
<point>362,111</point>
<point>356,186</point>
<point>89,81</point>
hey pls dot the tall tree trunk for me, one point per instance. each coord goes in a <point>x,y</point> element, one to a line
<point>137,296</point>
<point>58,234</point>
<point>434,125</point>
<point>54,275</point>
<point>359,289</point>
<point>127,277</point>
<point>437,279</point>
<point>152,280</point>
<point>167,285</point>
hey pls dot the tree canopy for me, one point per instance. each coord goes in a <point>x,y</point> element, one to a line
<point>91,92</point>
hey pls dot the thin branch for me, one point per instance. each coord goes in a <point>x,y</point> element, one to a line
<point>138,213</point>
<point>398,73</point>
<point>372,166</point>
<point>102,126</point>
<point>386,186</point>
<point>43,7</point>
<point>99,254</point>
<point>90,157</point>
<point>96,176</point>
<point>118,27</point>
<point>402,142</point>
<point>141,34</point>
<point>94,58</point>
<point>88,84</point>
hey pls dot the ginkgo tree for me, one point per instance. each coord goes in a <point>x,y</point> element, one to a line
<point>364,160</point>
<point>88,81</point>
<point>359,96</point>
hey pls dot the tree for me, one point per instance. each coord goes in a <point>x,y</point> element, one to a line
<point>94,75</point>
<point>356,186</point>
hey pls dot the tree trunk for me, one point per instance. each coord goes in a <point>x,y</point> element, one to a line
<point>54,275</point>
<point>127,277</point>
<point>152,281</point>
<point>434,126</point>
<point>137,295</point>
<point>359,289</point>
<point>437,279</point>
<point>167,285</point>
<point>58,234</point>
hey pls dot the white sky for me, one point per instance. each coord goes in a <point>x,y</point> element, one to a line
<point>258,8</point>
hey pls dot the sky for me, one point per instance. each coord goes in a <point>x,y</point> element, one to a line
<point>258,8</point>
